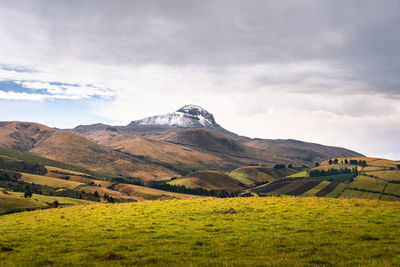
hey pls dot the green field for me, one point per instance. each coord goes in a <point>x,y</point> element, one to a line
<point>9,202</point>
<point>350,193</point>
<point>368,183</point>
<point>206,232</point>
<point>392,189</point>
<point>337,191</point>
<point>15,201</point>
<point>316,189</point>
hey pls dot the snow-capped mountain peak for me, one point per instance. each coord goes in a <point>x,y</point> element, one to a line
<point>188,116</point>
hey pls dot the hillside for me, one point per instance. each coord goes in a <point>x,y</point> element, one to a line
<point>20,176</point>
<point>194,128</point>
<point>252,175</point>
<point>210,180</point>
<point>373,179</point>
<point>212,232</point>
<point>67,147</point>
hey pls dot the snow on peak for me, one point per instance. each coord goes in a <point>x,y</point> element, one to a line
<point>189,116</point>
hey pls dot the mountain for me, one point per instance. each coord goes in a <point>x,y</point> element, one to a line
<point>192,127</point>
<point>161,147</point>
<point>189,116</point>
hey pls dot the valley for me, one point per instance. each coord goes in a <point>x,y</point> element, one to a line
<point>178,187</point>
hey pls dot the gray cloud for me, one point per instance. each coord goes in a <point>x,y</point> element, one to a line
<point>314,52</point>
<point>358,37</point>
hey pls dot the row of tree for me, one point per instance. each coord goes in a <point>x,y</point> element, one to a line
<point>362,163</point>
<point>193,191</point>
<point>332,171</point>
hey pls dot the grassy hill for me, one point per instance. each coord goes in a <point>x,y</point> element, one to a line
<point>15,201</point>
<point>207,232</point>
<point>210,180</point>
<point>73,149</point>
<point>252,175</point>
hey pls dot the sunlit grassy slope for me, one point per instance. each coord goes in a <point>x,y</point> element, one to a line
<point>15,201</point>
<point>206,232</point>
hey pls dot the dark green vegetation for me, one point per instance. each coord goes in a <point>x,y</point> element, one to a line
<point>207,232</point>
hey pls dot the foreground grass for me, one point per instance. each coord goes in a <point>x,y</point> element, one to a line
<point>206,232</point>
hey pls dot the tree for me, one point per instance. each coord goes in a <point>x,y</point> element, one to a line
<point>330,161</point>
<point>56,203</point>
<point>398,166</point>
<point>28,194</point>
<point>316,164</point>
<point>290,166</point>
<point>279,166</point>
<point>335,161</point>
<point>346,161</point>
<point>96,194</point>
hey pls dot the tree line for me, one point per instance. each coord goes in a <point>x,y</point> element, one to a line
<point>192,191</point>
<point>360,162</point>
<point>332,171</point>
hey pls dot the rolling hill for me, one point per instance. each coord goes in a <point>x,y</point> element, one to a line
<point>67,147</point>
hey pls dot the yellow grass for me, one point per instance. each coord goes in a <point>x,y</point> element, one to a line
<point>142,193</point>
<point>49,181</point>
<point>10,202</point>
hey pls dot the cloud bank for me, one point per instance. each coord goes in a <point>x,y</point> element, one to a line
<point>321,71</point>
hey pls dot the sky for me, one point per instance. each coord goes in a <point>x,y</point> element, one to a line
<point>315,70</point>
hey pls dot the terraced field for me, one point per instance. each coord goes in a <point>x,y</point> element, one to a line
<point>313,191</point>
<point>377,180</point>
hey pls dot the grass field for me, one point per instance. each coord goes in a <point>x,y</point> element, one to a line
<point>392,189</point>
<point>387,175</point>
<point>142,193</point>
<point>368,183</point>
<point>206,232</point>
<point>50,181</point>
<point>350,193</point>
<point>11,202</point>
<point>15,201</point>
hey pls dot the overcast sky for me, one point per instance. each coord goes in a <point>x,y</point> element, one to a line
<point>319,71</point>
